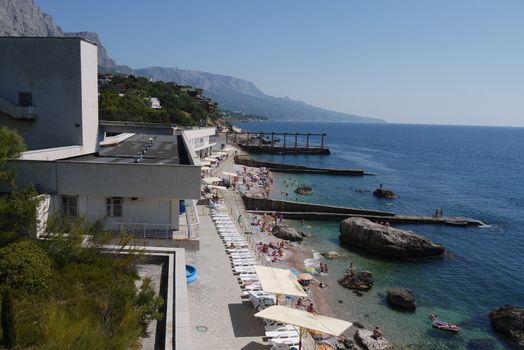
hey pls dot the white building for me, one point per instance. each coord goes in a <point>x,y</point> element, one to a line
<point>200,140</point>
<point>49,93</point>
<point>154,103</point>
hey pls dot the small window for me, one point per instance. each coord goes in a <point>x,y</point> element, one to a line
<point>114,206</point>
<point>70,206</point>
<point>25,99</point>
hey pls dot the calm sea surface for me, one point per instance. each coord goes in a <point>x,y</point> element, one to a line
<point>475,172</point>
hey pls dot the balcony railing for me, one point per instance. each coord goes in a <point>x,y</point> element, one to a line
<point>141,230</point>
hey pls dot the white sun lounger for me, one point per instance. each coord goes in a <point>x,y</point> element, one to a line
<point>280,328</point>
<point>282,334</point>
<point>244,269</point>
<point>281,343</point>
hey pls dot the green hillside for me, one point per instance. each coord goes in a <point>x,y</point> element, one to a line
<point>128,98</point>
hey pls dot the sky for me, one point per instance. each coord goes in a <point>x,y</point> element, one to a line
<point>405,61</point>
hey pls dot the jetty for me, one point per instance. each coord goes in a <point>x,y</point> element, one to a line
<point>295,169</point>
<point>270,142</point>
<point>310,211</point>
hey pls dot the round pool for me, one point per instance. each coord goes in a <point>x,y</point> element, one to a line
<point>191,273</point>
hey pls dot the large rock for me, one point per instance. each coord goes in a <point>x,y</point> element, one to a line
<point>387,241</point>
<point>509,320</point>
<point>402,298</point>
<point>331,255</point>
<point>361,280</point>
<point>364,338</point>
<point>288,233</point>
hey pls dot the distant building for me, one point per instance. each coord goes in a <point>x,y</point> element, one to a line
<point>154,103</point>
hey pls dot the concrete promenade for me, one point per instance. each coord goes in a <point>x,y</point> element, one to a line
<point>219,318</point>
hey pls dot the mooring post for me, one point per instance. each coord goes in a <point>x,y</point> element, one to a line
<point>307,140</point>
<point>322,141</point>
<point>285,134</point>
<point>273,139</point>
<point>296,140</point>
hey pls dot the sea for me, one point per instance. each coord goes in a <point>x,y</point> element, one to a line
<point>469,171</point>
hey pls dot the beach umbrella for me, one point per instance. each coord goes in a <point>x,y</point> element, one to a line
<point>279,281</point>
<point>305,277</point>
<point>306,321</point>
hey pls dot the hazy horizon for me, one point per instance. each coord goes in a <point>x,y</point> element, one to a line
<point>435,62</point>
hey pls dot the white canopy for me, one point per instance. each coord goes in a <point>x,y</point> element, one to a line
<point>279,281</point>
<point>217,187</point>
<point>229,174</point>
<point>304,319</point>
<point>215,156</point>
<point>205,168</point>
<point>205,162</point>
<point>222,153</point>
<point>211,180</point>
<point>212,160</point>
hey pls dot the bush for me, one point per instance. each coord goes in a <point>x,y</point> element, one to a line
<point>25,265</point>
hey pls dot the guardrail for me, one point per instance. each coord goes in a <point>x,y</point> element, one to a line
<point>141,230</point>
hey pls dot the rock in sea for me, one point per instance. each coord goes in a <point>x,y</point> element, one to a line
<point>361,280</point>
<point>288,233</point>
<point>402,298</point>
<point>331,255</point>
<point>509,320</point>
<point>364,338</point>
<point>387,241</point>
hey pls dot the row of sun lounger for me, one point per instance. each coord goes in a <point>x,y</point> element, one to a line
<point>281,336</point>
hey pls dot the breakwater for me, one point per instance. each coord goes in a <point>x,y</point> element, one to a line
<point>291,168</point>
<point>308,211</point>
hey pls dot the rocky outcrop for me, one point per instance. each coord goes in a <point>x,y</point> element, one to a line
<point>387,241</point>
<point>331,255</point>
<point>361,280</point>
<point>509,320</point>
<point>402,298</point>
<point>380,192</point>
<point>288,233</point>
<point>364,338</point>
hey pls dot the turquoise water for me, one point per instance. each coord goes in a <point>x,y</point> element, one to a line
<point>468,171</point>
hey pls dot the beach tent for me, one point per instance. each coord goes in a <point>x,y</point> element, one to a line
<point>279,281</point>
<point>211,180</point>
<point>304,321</point>
<point>212,160</point>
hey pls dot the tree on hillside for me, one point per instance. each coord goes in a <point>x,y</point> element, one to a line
<point>11,145</point>
<point>8,320</point>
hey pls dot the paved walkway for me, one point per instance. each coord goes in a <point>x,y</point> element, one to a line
<point>214,299</point>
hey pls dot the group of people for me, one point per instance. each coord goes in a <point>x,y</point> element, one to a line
<point>299,304</point>
<point>323,267</point>
<point>438,213</point>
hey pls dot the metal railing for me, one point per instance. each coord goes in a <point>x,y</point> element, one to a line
<point>141,230</point>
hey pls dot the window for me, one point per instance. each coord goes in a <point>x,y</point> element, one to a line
<point>70,206</point>
<point>25,99</point>
<point>114,206</point>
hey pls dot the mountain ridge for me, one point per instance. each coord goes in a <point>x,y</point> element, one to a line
<point>25,18</point>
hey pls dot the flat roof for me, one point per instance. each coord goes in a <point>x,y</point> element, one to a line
<point>48,38</point>
<point>140,148</point>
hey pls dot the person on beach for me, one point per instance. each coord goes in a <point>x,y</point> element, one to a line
<point>311,309</point>
<point>299,304</point>
<point>322,285</point>
<point>377,334</point>
<point>302,221</point>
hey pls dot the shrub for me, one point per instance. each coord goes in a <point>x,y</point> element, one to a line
<point>8,320</point>
<point>25,265</point>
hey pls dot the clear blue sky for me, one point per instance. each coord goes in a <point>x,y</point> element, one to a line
<point>410,61</point>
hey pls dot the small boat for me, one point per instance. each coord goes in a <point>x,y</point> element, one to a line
<point>445,326</point>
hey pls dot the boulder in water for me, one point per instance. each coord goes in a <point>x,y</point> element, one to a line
<point>383,193</point>
<point>509,320</point>
<point>365,338</point>
<point>401,298</point>
<point>331,255</point>
<point>288,233</point>
<point>361,280</point>
<point>387,241</point>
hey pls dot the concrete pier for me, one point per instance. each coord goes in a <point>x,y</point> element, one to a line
<point>307,211</point>
<point>266,142</point>
<point>291,168</point>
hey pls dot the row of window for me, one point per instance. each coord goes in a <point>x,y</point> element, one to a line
<point>113,206</point>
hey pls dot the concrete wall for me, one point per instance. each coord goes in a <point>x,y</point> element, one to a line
<point>252,203</point>
<point>109,179</point>
<point>61,74</point>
